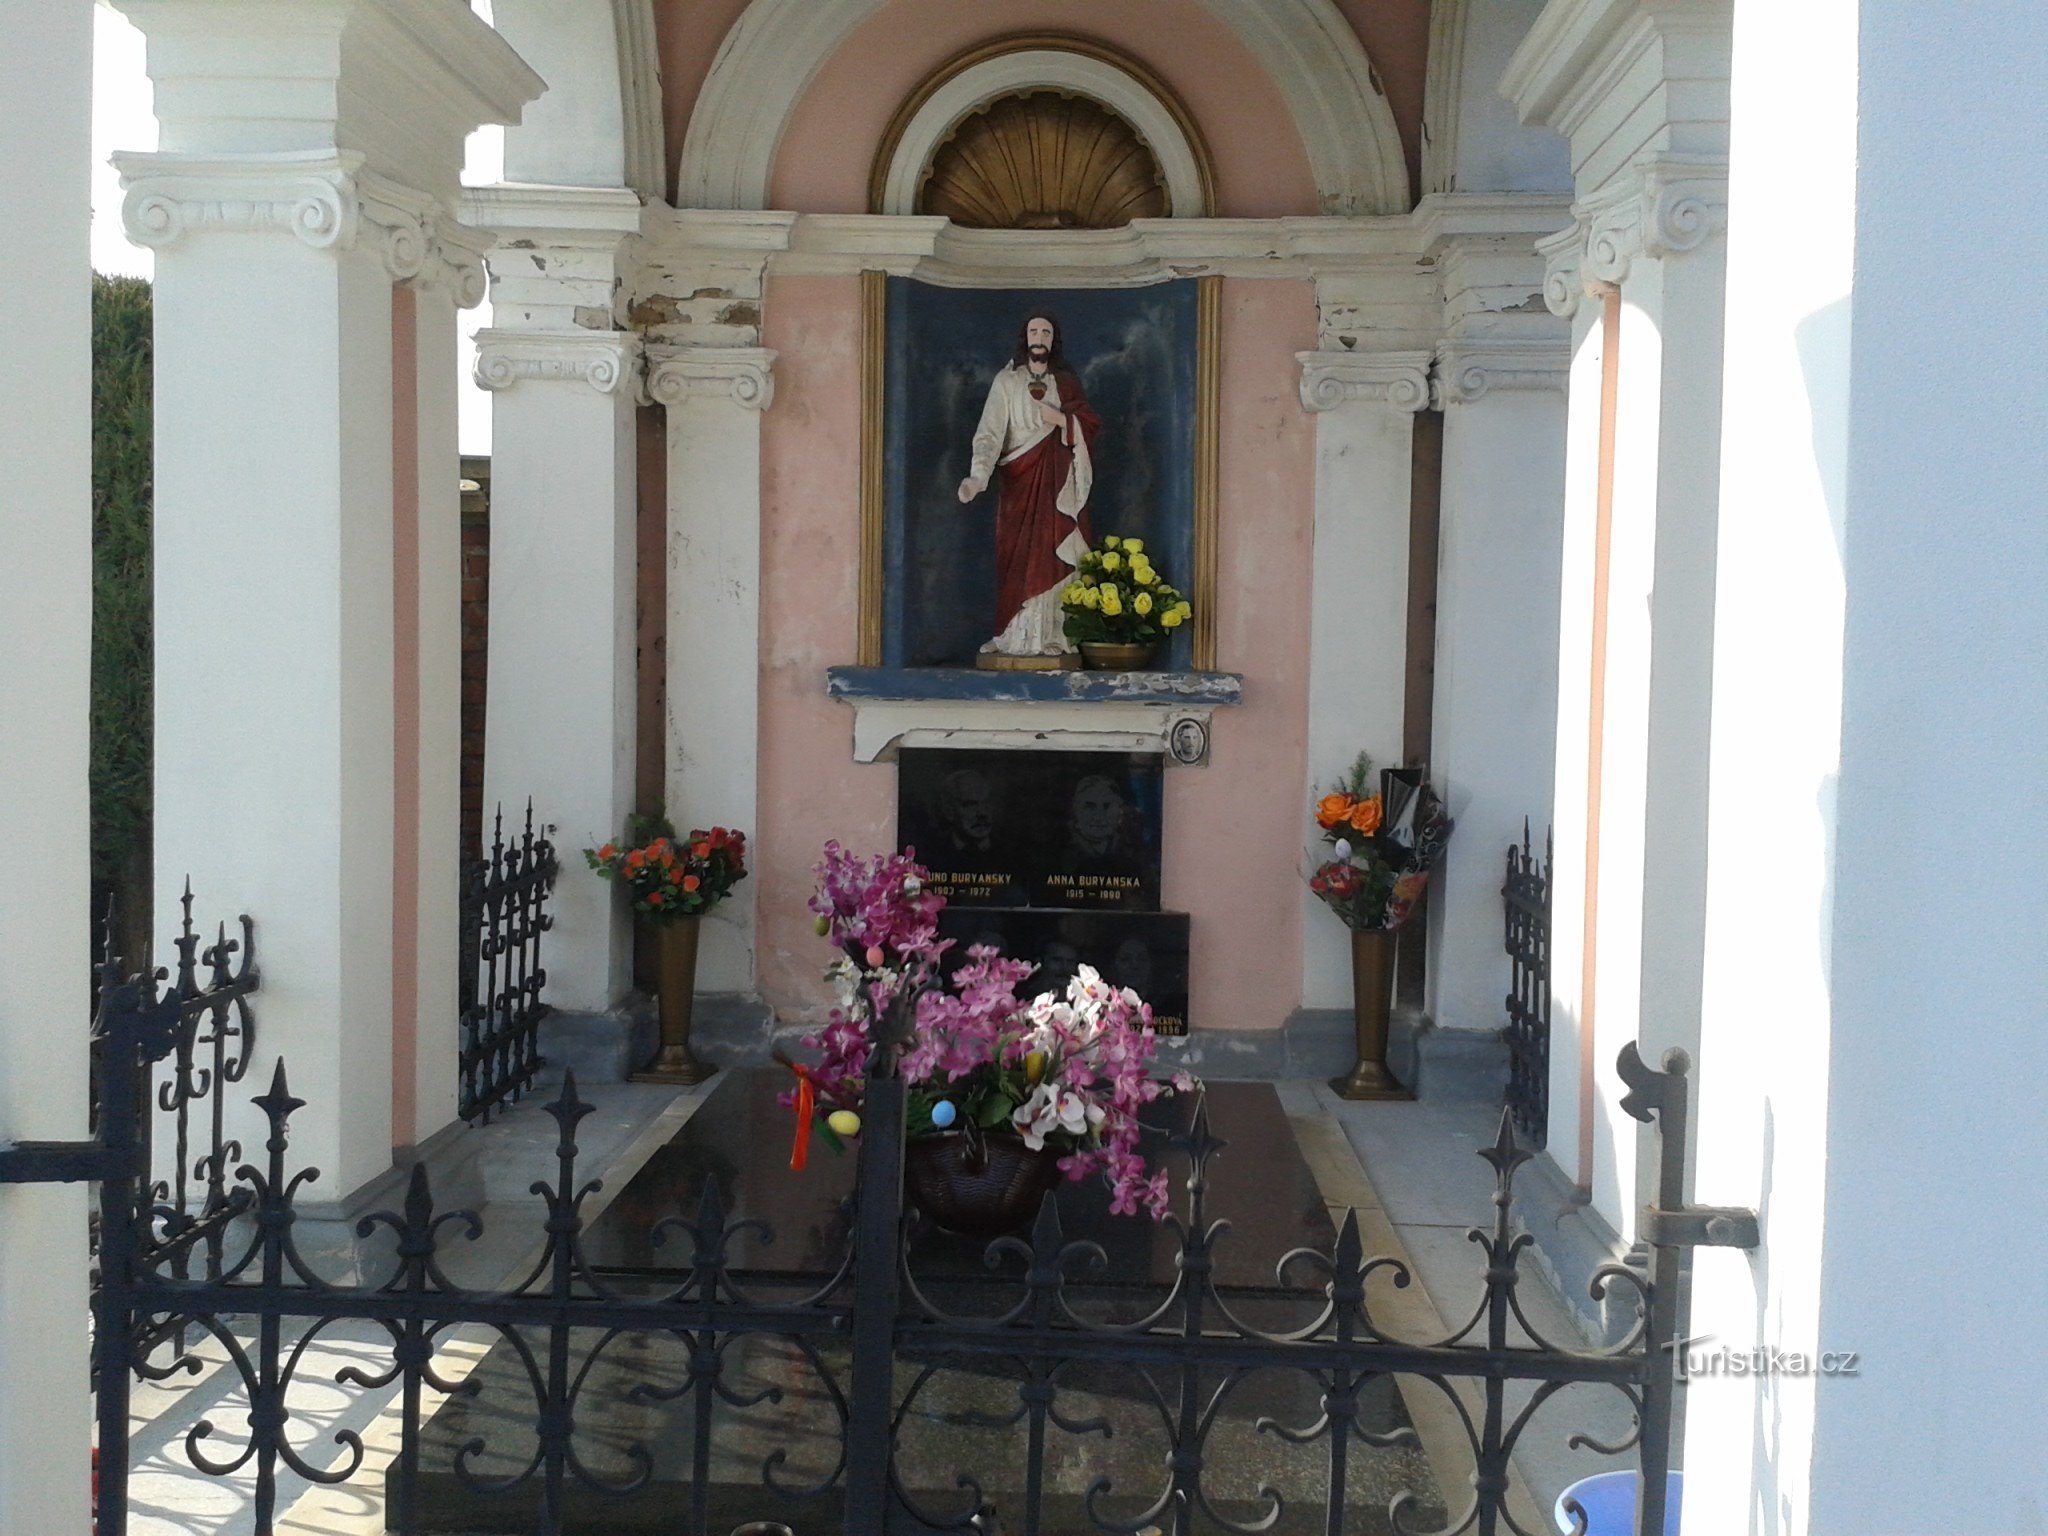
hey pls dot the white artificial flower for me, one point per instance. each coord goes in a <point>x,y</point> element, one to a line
<point>844,977</point>
<point>1035,1117</point>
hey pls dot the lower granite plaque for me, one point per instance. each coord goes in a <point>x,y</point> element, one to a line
<point>1145,951</point>
<point>1033,828</point>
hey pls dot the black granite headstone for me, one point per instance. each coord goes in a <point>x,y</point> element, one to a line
<point>1033,828</point>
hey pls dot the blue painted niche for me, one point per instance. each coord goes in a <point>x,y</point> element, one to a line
<point>1135,351</point>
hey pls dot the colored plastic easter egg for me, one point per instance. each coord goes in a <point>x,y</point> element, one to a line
<point>844,1122</point>
<point>944,1114</point>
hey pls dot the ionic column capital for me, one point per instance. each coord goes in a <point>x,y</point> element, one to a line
<point>1467,369</point>
<point>607,361</point>
<point>323,198</point>
<point>1396,379</point>
<point>744,375</point>
<point>1660,207</point>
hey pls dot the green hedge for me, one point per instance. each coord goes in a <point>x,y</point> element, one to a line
<point>121,639</point>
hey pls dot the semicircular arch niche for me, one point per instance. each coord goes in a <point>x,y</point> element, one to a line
<point>1044,159</point>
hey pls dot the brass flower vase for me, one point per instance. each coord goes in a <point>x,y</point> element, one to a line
<point>673,1061</point>
<point>1102,656</point>
<point>1372,1003</point>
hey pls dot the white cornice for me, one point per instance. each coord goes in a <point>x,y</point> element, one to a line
<point>1583,56</point>
<point>1396,379</point>
<point>607,361</point>
<point>324,198</point>
<point>400,81</point>
<point>1661,206</point>
<point>1467,369</point>
<point>589,215</point>
<point>1144,251</point>
<point>467,54</point>
<point>744,375</point>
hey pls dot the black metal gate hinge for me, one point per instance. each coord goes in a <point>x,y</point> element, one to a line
<point>61,1162</point>
<point>1702,1226</point>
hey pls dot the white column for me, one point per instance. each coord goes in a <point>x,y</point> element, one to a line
<point>274,779</point>
<point>560,721</point>
<point>437,850</point>
<point>1872,1041</point>
<point>276,644</point>
<point>1657,237</point>
<point>715,397</point>
<point>1500,380</point>
<point>1570,1099</point>
<point>1365,405</point>
<point>45,665</point>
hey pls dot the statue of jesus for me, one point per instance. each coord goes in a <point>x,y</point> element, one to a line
<point>1039,432</point>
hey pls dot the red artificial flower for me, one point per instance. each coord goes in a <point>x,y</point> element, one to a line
<point>691,882</point>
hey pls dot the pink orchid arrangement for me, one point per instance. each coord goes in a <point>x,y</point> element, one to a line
<point>1067,1071</point>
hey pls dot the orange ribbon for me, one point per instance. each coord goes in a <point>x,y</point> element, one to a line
<point>806,1108</point>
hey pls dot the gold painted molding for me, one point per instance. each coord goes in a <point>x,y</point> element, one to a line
<point>1208,426</point>
<point>1063,42</point>
<point>874,303</point>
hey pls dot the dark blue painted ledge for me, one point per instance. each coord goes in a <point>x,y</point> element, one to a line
<point>973,684</point>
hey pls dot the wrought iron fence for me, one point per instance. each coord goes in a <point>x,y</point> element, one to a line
<point>1525,898</point>
<point>844,1338</point>
<point>504,913</point>
<point>211,1041</point>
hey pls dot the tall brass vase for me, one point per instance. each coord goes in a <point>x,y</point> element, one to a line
<point>1372,1001</point>
<point>673,1062</point>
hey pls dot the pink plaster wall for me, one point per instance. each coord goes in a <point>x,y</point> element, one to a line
<point>686,38</point>
<point>810,788</point>
<point>1260,167</point>
<point>1234,828</point>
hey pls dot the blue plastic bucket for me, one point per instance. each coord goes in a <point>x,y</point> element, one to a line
<point>1609,1501</point>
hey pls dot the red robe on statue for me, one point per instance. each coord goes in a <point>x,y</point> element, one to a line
<point>1029,524</point>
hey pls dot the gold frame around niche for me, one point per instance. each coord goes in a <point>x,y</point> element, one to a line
<point>874,301</point>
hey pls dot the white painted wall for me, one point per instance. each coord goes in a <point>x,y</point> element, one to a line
<point>45,660</point>
<point>575,135</point>
<point>1494,150</point>
<point>1358,633</point>
<point>1872,1040</point>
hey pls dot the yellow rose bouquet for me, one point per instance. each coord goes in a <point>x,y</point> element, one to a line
<point>1117,597</point>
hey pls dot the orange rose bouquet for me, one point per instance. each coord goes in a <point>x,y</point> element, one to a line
<point>668,877</point>
<point>1383,843</point>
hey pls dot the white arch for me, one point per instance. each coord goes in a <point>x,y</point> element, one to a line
<point>1314,59</point>
<point>1096,79</point>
